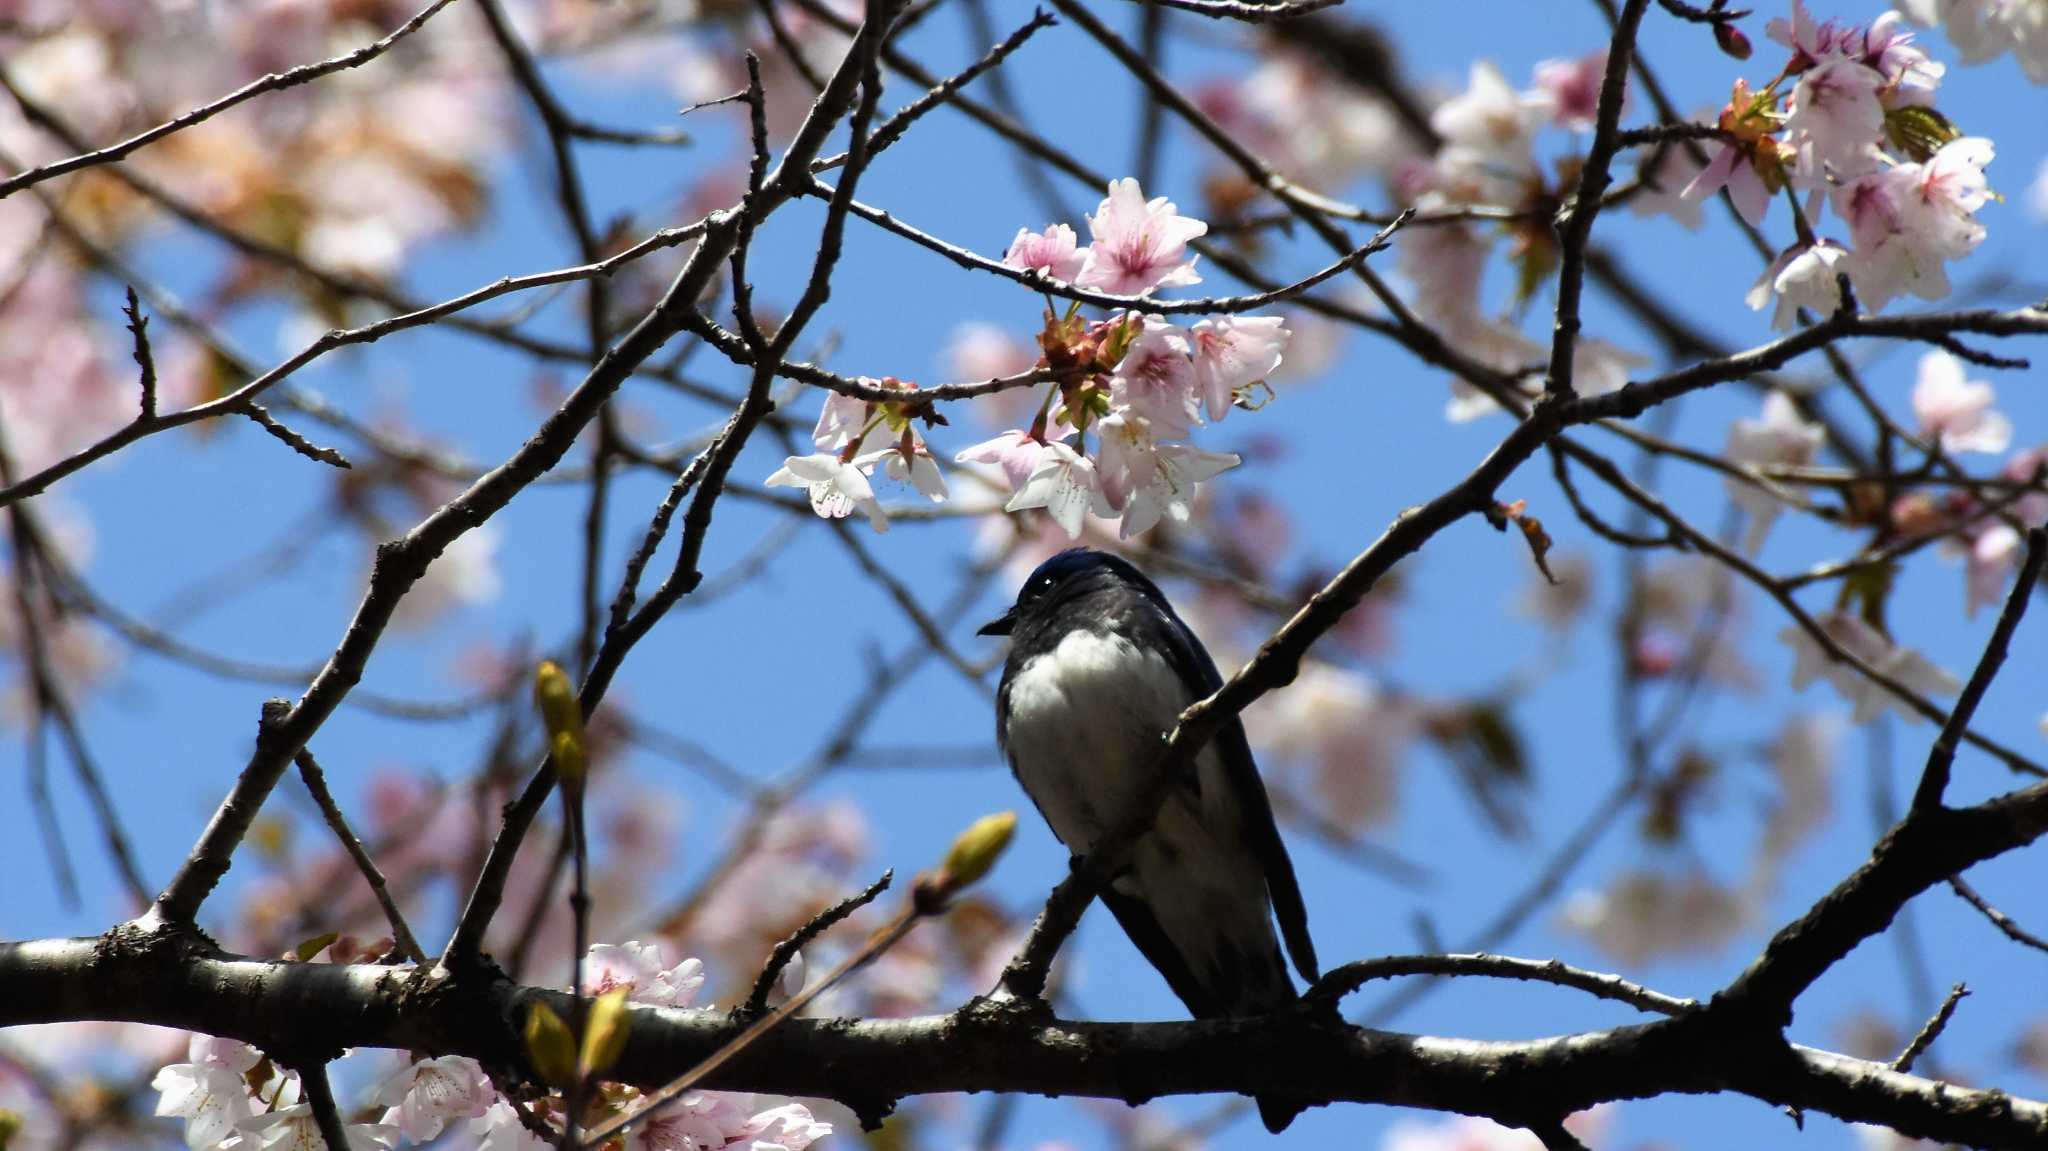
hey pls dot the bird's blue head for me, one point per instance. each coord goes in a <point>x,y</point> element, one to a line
<point>1060,578</point>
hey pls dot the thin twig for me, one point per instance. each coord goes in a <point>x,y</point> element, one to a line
<point>316,783</point>
<point>1999,919</point>
<point>1930,1031</point>
<point>1934,778</point>
<point>786,950</point>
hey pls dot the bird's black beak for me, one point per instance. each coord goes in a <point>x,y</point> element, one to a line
<point>1000,625</point>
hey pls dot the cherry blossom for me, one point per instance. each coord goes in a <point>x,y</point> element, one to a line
<point>1664,186</point>
<point>1139,244</point>
<point>1646,915</point>
<point>295,1129</point>
<point>1955,410</point>
<point>836,487</point>
<point>1489,116</point>
<point>1801,277</point>
<point>1984,29</point>
<point>638,966</point>
<point>499,1129</point>
<point>1907,221</point>
<point>427,1095</point>
<point>1163,481</point>
<point>910,461</point>
<point>1993,555</point>
<point>1017,453</point>
<point>1568,91</point>
<point>1233,352</point>
<point>789,1127</point>
<point>1739,164</point>
<point>1780,437</point>
<point>1156,379</point>
<point>1834,118</point>
<point>1849,632</point>
<point>1338,733</point>
<point>208,1092</point>
<point>698,1121</point>
<point>842,419</point>
<point>1051,252</point>
<point>1065,485</point>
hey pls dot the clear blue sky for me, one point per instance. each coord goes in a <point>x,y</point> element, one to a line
<point>757,677</point>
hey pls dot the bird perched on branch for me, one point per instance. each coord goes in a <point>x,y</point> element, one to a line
<point>1099,670</point>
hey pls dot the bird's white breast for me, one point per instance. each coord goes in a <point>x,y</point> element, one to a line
<point>1086,722</point>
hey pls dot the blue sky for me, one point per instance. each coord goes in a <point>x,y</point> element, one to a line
<point>757,676</point>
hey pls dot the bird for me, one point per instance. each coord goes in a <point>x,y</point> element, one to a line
<point>1099,669</point>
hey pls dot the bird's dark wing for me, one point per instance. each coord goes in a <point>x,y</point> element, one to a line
<point>1192,661</point>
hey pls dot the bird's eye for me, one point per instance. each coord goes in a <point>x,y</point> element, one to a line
<point>1039,587</point>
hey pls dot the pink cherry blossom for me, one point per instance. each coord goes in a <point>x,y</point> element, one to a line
<point>639,967</point>
<point>1955,410</point>
<point>1730,167</point>
<point>1835,119</point>
<point>1016,452</point>
<point>1232,352</point>
<point>1051,252</point>
<point>1909,76</point>
<point>699,1121</point>
<point>1568,91</point>
<point>1157,380</point>
<point>1810,40</point>
<point>1139,244</point>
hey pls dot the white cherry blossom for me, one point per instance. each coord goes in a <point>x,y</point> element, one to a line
<point>1780,437</point>
<point>836,487</point>
<point>427,1095</point>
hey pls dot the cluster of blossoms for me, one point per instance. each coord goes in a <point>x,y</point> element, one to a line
<point>1850,122</point>
<point>1110,435</point>
<point>233,1098</point>
<point>1950,411</point>
<point>1985,29</point>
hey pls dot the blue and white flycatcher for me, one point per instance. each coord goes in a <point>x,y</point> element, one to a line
<point>1099,670</point>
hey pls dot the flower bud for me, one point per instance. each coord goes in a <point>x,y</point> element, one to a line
<point>570,763</point>
<point>555,696</point>
<point>604,1036</point>
<point>1731,40</point>
<point>978,848</point>
<point>550,1048</point>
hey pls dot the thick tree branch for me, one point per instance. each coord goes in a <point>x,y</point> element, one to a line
<point>134,975</point>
